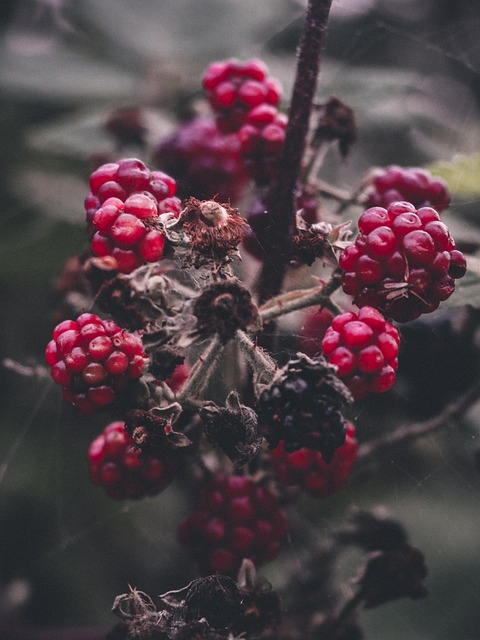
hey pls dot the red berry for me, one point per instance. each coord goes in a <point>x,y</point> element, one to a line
<point>363,347</point>
<point>125,195</point>
<point>89,357</point>
<point>412,184</point>
<point>232,522</point>
<point>234,88</point>
<point>307,470</point>
<point>206,163</point>
<point>125,473</point>
<point>402,261</point>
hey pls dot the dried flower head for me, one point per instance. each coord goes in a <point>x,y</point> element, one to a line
<point>233,428</point>
<point>215,230</point>
<point>223,308</point>
<point>388,575</point>
<point>117,298</point>
<point>336,122</point>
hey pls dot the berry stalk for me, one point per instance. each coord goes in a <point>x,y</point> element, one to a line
<point>283,196</point>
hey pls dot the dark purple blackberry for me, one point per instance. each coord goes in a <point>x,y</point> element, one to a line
<point>303,407</point>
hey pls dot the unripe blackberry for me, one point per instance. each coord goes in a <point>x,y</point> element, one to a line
<point>364,348</point>
<point>307,470</point>
<point>412,184</point>
<point>234,88</point>
<point>117,464</point>
<point>235,519</point>
<point>93,360</point>
<point>303,407</point>
<point>205,163</point>
<point>261,141</point>
<point>312,331</point>
<point>403,262</point>
<point>125,199</point>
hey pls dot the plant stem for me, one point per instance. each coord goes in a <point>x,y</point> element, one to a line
<point>293,301</point>
<point>200,373</point>
<point>259,360</point>
<point>415,430</point>
<point>281,202</point>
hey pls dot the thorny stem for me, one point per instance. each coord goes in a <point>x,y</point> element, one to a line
<point>415,430</point>
<point>200,373</point>
<point>258,358</point>
<point>283,195</point>
<point>293,301</point>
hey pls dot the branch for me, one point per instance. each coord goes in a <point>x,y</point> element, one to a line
<point>402,435</point>
<point>282,200</point>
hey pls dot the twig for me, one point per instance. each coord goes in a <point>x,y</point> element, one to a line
<point>200,373</point>
<point>282,198</point>
<point>415,430</point>
<point>293,301</point>
<point>259,360</point>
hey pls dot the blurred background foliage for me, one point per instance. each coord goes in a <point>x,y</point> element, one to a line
<point>411,71</point>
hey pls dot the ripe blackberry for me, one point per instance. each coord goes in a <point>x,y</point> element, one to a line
<point>125,199</point>
<point>205,163</point>
<point>93,360</point>
<point>235,519</point>
<point>118,465</point>
<point>303,407</point>
<point>412,184</point>
<point>364,348</point>
<point>307,470</point>
<point>261,141</point>
<point>403,262</point>
<point>234,88</point>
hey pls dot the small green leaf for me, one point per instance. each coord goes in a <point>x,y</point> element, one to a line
<point>462,174</point>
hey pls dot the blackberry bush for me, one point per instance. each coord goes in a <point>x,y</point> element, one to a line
<point>213,379</point>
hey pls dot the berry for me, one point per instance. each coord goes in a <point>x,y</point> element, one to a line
<point>234,88</point>
<point>121,208</point>
<point>303,407</point>
<point>206,163</point>
<point>307,470</point>
<point>261,141</point>
<point>403,262</point>
<point>118,465</point>
<point>93,360</point>
<point>364,348</point>
<point>414,185</point>
<point>235,519</point>
<point>313,329</point>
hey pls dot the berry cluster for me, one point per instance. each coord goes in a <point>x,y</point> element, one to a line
<point>117,464</point>
<point>403,262</point>
<point>235,519</point>
<point>307,470</point>
<point>93,360</point>
<point>303,407</point>
<point>125,199</point>
<point>234,88</point>
<point>205,163</point>
<point>261,140</point>
<point>412,184</point>
<point>364,348</point>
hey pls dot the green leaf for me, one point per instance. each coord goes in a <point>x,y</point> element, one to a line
<point>462,174</point>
